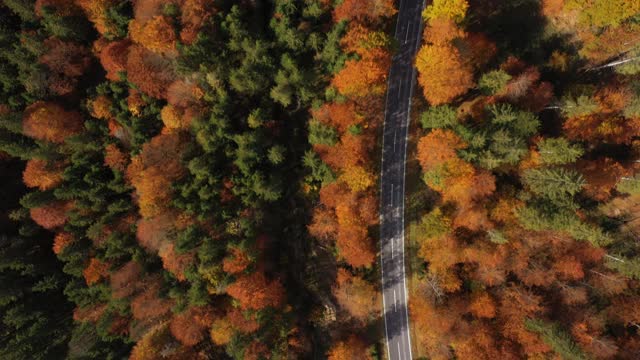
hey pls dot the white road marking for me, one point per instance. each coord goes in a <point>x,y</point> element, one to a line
<point>392,256</point>
<point>399,354</point>
<point>406,35</point>
<point>395,302</point>
<point>395,133</point>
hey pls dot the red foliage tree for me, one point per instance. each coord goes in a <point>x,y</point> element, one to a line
<point>125,280</point>
<point>90,313</point>
<point>245,322</point>
<point>52,215</point>
<point>66,58</point>
<point>236,262</point>
<point>113,58</point>
<point>363,11</point>
<point>50,122</point>
<point>153,233</point>
<point>195,14</point>
<point>254,291</point>
<point>60,7</point>
<point>148,305</point>
<point>257,350</point>
<point>152,73</point>
<point>189,326</point>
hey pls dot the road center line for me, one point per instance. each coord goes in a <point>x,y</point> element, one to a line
<point>399,354</point>
<point>395,302</point>
<point>394,292</point>
<point>395,133</point>
<point>406,35</point>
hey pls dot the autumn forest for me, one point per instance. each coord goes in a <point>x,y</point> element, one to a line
<point>200,179</point>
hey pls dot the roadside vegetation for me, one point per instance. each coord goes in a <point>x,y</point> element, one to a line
<point>530,143</point>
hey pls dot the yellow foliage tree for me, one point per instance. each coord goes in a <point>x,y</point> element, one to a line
<point>221,331</point>
<point>173,118</point>
<point>357,178</point>
<point>446,9</point>
<point>442,73</point>
<point>157,34</point>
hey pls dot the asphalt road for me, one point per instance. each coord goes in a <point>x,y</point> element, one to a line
<point>396,130</point>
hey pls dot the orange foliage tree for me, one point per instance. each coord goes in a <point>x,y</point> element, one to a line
<point>50,122</point>
<point>438,147</point>
<point>95,271</point>
<point>154,169</point>
<point>157,34</point>
<point>360,298</point>
<point>354,212</point>
<point>352,150</point>
<point>366,76</point>
<point>324,225</point>
<point>175,263</point>
<point>157,343</point>
<point>101,107</point>
<point>61,241</point>
<point>115,158</point>
<point>340,115</point>
<point>483,306</point>
<point>353,242</point>
<point>41,174</point>
<point>353,348</point>
<point>96,11</point>
<point>255,292</point>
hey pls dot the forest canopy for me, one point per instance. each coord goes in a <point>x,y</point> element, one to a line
<point>193,179</point>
